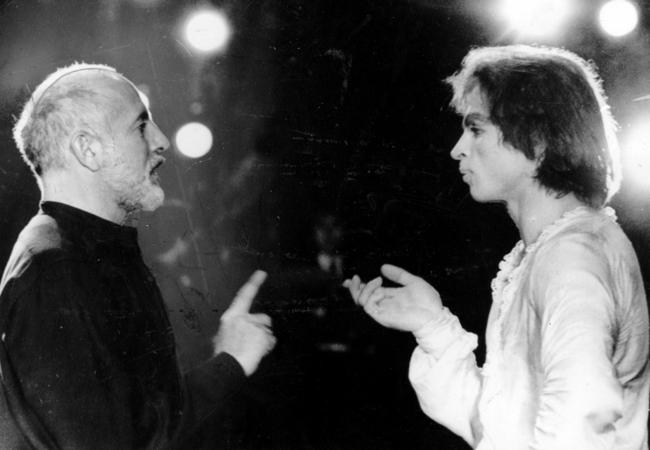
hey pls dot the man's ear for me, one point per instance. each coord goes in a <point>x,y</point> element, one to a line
<point>86,147</point>
<point>539,146</point>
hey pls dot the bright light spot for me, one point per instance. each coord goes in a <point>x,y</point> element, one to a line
<point>207,31</point>
<point>636,152</point>
<point>618,17</point>
<point>535,18</point>
<point>193,139</point>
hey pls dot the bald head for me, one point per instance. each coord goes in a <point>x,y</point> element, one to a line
<point>76,97</point>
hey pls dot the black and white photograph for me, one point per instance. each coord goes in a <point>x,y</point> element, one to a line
<point>324,224</point>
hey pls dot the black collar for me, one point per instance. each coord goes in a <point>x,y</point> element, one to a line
<point>91,233</point>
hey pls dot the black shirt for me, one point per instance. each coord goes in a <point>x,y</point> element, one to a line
<point>88,357</point>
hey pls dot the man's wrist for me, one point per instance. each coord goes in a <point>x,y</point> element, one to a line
<point>437,334</point>
<point>248,367</point>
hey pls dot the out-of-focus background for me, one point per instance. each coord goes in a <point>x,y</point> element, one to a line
<point>318,147</point>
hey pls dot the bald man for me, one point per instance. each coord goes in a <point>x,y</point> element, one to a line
<point>87,356</point>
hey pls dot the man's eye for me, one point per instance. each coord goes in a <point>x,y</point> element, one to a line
<point>475,130</point>
<point>142,126</point>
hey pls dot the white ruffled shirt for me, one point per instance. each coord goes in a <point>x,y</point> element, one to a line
<point>567,347</point>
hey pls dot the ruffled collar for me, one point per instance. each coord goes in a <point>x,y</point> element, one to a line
<point>512,263</point>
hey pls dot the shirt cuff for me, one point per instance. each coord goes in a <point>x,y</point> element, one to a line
<point>221,370</point>
<point>437,335</point>
<point>228,366</point>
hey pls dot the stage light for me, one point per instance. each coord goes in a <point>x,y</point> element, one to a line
<point>207,31</point>
<point>193,139</point>
<point>635,149</point>
<point>618,17</point>
<point>535,18</point>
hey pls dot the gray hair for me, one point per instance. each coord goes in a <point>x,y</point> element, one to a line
<point>53,111</point>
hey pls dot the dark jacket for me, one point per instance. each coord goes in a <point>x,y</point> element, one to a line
<point>88,354</point>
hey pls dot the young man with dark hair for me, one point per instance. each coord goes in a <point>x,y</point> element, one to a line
<point>567,336</point>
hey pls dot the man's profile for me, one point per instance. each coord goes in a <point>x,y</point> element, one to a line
<point>567,335</point>
<point>88,355</point>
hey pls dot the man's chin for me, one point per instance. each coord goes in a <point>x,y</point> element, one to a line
<point>153,201</point>
<point>149,200</point>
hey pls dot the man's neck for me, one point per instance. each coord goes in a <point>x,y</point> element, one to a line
<point>82,196</point>
<point>537,210</point>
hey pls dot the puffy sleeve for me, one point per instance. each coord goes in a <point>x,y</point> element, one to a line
<point>581,397</point>
<point>445,377</point>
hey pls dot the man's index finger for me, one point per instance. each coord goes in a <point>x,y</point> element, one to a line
<point>246,294</point>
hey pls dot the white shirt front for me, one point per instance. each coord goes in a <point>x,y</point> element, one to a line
<point>567,347</point>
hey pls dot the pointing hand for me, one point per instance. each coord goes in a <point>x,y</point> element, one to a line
<point>246,337</point>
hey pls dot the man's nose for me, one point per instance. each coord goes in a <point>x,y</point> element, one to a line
<point>158,142</point>
<point>459,151</point>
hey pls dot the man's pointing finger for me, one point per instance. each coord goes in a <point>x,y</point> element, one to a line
<point>242,302</point>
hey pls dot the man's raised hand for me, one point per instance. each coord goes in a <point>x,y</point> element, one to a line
<point>405,308</point>
<point>246,337</point>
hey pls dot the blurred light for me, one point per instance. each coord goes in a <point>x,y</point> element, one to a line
<point>635,151</point>
<point>193,139</point>
<point>333,347</point>
<point>207,31</point>
<point>618,17</point>
<point>175,252</point>
<point>196,108</point>
<point>535,18</point>
<point>185,280</point>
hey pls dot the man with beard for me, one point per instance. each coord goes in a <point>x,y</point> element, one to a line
<point>87,356</point>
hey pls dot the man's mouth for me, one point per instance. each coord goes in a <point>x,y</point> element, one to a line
<point>156,166</point>
<point>466,175</point>
<point>153,173</point>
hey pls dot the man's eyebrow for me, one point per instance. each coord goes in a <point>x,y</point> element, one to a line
<point>143,117</point>
<point>474,118</point>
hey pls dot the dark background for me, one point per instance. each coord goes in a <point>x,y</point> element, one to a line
<point>331,157</point>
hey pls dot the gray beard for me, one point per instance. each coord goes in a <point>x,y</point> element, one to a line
<point>131,209</point>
